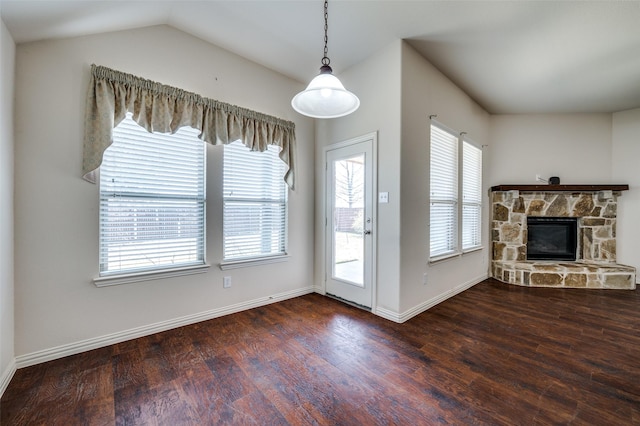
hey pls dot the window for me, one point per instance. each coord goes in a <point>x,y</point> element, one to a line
<point>444,192</point>
<point>471,195</point>
<point>152,201</point>
<point>455,203</point>
<point>255,203</point>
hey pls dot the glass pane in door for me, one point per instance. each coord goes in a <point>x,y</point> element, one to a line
<point>349,220</point>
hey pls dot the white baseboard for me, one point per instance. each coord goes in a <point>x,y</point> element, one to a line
<point>387,314</point>
<point>57,352</point>
<point>7,375</point>
<point>416,310</point>
<point>121,336</point>
<point>319,289</point>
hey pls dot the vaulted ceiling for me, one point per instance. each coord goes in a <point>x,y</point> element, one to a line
<point>510,56</point>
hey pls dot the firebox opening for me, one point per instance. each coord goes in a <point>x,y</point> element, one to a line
<point>552,238</point>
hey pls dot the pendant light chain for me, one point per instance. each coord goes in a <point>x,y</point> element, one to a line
<point>325,96</point>
<point>325,59</point>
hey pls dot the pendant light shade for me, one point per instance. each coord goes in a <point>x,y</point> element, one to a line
<point>325,96</point>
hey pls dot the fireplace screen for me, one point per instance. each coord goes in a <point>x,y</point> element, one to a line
<point>552,238</point>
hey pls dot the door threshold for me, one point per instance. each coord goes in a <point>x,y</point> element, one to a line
<point>348,302</point>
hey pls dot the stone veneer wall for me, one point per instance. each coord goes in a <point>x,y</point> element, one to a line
<point>595,266</point>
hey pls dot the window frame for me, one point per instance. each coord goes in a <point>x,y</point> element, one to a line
<point>266,258</point>
<point>137,274</point>
<point>458,223</point>
<point>444,190</point>
<point>477,202</point>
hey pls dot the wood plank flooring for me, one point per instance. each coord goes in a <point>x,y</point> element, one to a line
<point>493,355</point>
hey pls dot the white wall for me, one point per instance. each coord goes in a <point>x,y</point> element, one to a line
<point>56,224</point>
<point>624,165</point>
<point>574,147</point>
<point>426,91</point>
<point>376,81</point>
<point>7,62</point>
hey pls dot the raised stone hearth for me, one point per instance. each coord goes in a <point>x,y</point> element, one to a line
<point>595,206</point>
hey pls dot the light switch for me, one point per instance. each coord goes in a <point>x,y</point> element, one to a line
<point>383,197</point>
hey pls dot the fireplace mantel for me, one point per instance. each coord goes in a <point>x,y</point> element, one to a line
<point>560,188</point>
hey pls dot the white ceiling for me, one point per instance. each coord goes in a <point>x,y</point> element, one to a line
<point>510,56</point>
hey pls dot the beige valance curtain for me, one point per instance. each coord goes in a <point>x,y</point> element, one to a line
<point>164,109</point>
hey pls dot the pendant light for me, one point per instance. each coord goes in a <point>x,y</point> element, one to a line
<point>325,96</point>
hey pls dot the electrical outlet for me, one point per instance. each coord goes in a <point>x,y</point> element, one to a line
<point>424,279</point>
<point>226,282</point>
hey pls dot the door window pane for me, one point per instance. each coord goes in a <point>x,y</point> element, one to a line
<point>348,220</point>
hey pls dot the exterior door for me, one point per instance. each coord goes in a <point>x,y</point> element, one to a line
<point>350,221</point>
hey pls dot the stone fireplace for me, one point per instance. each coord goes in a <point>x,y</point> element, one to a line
<point>595,209</point>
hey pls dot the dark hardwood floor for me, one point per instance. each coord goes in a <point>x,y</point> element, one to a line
<point>495,354</point>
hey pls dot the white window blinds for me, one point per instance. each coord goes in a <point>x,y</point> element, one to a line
<point>255,203</point>
<point>443,201</point>
<point>455,204</point>
<point>471,195</point>
<point>152,200</point>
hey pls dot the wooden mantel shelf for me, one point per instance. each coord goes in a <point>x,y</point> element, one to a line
<point>560,188</point>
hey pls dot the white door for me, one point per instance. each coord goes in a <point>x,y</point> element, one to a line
<point>350,221</point>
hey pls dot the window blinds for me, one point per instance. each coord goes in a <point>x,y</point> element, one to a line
<point>443,192</point>
<point>255,203</point>
<point>152,200</point>
<point>471,195</point>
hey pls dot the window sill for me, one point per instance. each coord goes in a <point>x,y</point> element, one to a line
<point>474,249</point>
<point>444,257</point>
<point>256,261</point>
<point>149,275</point>
<point>449,256</point>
